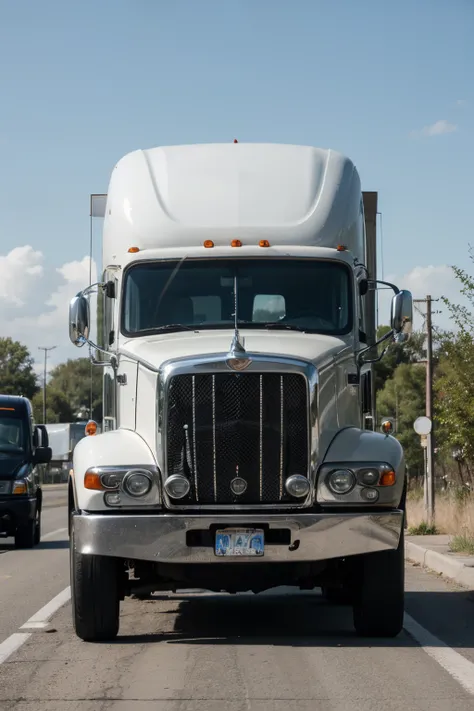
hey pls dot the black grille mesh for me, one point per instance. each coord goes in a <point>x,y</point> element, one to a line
<point>228,424</point>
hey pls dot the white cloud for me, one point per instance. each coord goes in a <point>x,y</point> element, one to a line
<point>435,281</point>
<point>461,102</point>
<point>438,128</point>
<point>20,270</point>
<point>36,300</point>
<point>75,278</point>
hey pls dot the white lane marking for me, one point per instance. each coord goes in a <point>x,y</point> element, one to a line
<point>53,533</point>
<point>454,663</point>
<point>11,644</point>
<point>43,615</point>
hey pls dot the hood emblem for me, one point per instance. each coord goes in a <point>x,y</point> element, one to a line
<point>238,363</point>
<point>238,486</point>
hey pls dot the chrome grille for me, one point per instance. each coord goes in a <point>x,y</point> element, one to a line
<point>224,425</point>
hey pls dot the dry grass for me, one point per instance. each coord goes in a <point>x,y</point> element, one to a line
<point>454,513</point>
<point>462,544</point>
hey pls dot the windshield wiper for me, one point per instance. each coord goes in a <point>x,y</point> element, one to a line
<point>166,327</point>
<point>284,326</point>
<point>174,327</point>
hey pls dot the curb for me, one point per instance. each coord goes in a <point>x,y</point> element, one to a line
<point>452,568</point>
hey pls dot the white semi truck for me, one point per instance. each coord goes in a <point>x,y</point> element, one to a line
<point>237,337</point>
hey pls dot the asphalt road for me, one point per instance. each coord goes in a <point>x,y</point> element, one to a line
<point>30,578</point>
<point>282,651</point>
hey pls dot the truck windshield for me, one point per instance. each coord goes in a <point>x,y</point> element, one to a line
<point>307,295</point>
<point>12,435</point>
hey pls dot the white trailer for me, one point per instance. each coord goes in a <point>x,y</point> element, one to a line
<point>63,438</point>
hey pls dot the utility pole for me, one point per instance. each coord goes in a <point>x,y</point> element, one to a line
<point>430,469</point>
<point>429,410</point>
<point>45,349</point>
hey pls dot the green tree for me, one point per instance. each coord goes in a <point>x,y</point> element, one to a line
<point>403,398</point>
<point>73,380</point>
<point>454,383</point>
<point>58,408</point>
<point>17,376</point>
<point>454,387</point>
<point>462,317</point>
<point>409,352</point>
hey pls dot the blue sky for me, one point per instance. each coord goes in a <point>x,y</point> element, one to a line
<point>84,83</point>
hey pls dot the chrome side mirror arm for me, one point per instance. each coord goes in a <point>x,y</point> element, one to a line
<point>360,356</point>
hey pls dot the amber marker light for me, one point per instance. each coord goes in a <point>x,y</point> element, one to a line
<point>236,243</point>
<point>209,244</point>
<point>387,479</point>
<point>92,481</point>
<point>264,243</point>
<point>91,428</point>
<point>19,487</point>
<point>133,250</point>
<point>341,248</point>
<point>387,427</point>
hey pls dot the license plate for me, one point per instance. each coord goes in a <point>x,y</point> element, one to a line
<point>236,542</point>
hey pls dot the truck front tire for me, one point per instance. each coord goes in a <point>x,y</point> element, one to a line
<point>380,593</point>
<point>28,534</point>
<point>25,535</point>
<point>95,595</point>
<point>38,528</point>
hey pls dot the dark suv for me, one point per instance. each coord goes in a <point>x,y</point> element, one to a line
<point>22,447</point>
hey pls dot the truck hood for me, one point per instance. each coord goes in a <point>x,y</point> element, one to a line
<point>156,350</point>
<point>10,465</point>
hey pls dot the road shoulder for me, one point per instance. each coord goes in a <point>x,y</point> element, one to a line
<point>433,552</point>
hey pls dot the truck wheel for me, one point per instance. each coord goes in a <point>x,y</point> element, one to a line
<point>38,528</point>
<point>25,534</point>
<point>95,595</point>
<point>379,603</point>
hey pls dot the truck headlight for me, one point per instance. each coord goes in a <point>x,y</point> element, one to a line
<point>297,486</point>
<point>358,483</point>
<point>137,482</point>
<point>369,477</point>
<point>125,486</point>
<point>341,481</point>
<point>20,486</point>
<point>111,480</point>
<point>177,486</point>
<point>369,495</point>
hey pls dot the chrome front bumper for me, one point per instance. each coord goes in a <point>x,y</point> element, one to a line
<point>162,538</point>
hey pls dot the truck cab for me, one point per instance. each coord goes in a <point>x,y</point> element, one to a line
<point>23,446</point>
<point>237,338</point>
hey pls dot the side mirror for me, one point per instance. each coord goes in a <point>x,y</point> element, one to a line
<point>79,320</point>
<point>41,434</point>
<point>42,455</point>
<point>401,319</point>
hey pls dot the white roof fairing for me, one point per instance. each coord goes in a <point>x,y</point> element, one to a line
<point>176,197</point>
